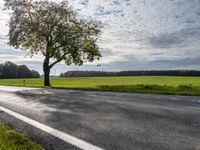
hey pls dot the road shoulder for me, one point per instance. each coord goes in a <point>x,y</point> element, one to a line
<point>46,140</point>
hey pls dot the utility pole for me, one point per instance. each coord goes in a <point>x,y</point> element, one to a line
<point>99,65</point>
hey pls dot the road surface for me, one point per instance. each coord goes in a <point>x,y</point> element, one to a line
<point>109,120</point>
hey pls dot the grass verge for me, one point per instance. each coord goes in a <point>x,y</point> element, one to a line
<point>154,89</point>
<point>142,88</point>
<point>12,140</point>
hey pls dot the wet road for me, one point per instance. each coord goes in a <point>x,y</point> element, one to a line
<point>113,121</point>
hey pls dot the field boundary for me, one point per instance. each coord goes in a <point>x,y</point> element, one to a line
<point>146,84</point>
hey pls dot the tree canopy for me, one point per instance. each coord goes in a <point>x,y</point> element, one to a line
<point>11,70</point>
<point>54,30</point>
<point>131,73</point>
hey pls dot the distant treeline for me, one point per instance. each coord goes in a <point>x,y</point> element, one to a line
<point>131,73</point>
<point>11,70</point>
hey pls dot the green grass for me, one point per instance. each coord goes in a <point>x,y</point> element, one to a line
<point>12,140</point>
<point>135,84</point>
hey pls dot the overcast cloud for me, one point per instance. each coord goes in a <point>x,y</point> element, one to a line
<point>137,34</point>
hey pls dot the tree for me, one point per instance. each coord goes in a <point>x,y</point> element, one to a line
<point>23,72</point>
<point>9,70</point>
<point>35,74</point>
<point>53,30</point>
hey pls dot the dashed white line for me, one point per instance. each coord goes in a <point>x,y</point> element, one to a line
<point>59,134</point>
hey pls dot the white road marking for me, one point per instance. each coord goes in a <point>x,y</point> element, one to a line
<point>59,134</point>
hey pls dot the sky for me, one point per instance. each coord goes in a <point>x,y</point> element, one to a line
<point>136,35</point>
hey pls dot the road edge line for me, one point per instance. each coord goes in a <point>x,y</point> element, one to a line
<point>59,134</point>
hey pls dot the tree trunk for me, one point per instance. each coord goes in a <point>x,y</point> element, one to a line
<point>46,70</point>
<point>46,78</point>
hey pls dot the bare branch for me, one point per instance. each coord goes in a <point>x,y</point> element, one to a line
<point>58,60</point>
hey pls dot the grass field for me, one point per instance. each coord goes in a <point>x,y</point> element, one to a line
<point>12,140</point>
<point>135,84</point>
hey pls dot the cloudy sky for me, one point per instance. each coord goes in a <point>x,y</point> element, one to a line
<point>137,35</point>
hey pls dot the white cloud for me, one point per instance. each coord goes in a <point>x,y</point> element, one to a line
<point>140,31</point>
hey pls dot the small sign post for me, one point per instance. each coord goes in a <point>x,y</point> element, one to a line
<point>24,81</point>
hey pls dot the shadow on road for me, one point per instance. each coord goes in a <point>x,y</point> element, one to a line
<point>119,121</point>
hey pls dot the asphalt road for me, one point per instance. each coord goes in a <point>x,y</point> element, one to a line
<point>113,121</point>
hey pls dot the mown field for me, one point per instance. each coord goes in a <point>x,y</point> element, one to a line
<point>12,140</point>
<point>135,84</point>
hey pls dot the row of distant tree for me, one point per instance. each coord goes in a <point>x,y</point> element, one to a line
<point>131,73</point>
<point>11,70</point>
